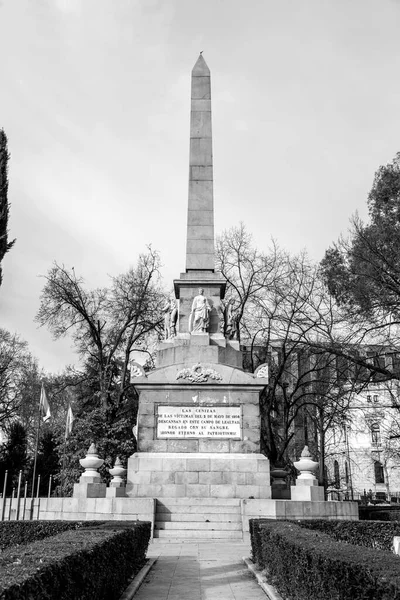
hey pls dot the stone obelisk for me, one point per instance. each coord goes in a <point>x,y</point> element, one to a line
<point>200,264</point>
<point>198,429</point>
<point>200,221</point>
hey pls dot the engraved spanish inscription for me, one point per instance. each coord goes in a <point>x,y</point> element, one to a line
<point>199,422</point>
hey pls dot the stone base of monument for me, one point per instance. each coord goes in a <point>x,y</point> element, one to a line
<point>116,492</point>
<point>228,518</point>
<point>201,475</point>
<point>307,490</point>
<point>296,510</point>
<point>85,489</point>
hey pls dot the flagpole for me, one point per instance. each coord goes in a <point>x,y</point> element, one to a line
<point>36,451</point>
<point>68,427</point>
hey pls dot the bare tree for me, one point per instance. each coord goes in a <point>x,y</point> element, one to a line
<point>106,324</point>
<point>290,321</point>
<point>19,378</point>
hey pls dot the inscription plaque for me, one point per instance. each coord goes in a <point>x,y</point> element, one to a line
<point>199,421</point>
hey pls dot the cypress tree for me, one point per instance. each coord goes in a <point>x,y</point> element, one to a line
<point>5,245</point>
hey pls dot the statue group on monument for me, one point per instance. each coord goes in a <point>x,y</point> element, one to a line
<point>199,318</point>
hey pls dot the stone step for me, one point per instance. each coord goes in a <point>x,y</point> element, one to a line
<point>195,527</point>
<point>217,510</point>
<point>196,517</point>
<point>195,535</point>
<point>200,501</point>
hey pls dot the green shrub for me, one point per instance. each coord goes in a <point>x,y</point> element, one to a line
<point>386,515</point>
<point>379,513</point>
<point>305,564</point>
<point>95,562</point>
<point>22,532</point>
<point>371,534</point>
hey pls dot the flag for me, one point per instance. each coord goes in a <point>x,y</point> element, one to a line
<point>44,404</point>
<point>70,420</point>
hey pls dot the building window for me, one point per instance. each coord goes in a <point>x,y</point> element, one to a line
<point>346,470</point>
<point>379,475</point>
<point>336,474</point>
<point>375,434</point>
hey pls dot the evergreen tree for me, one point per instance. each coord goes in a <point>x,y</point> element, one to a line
<point>5,245</point>
<point>13,455</point>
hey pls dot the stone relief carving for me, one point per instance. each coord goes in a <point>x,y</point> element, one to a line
<point>262,371</point>
<point>137,370</point>
<point>199,374</point>
<point>199,318</point>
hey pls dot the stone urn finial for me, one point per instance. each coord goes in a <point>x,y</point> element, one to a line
<point>117,473</point>
<point>91,462</point>
<point>306,465</point>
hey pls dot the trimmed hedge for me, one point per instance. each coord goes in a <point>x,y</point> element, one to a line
<point>386,515</point>
<point>14,533</point>
<point>304,564</point>
<point>371,534</point>
<point>379,513</point>
<point>92,562</point>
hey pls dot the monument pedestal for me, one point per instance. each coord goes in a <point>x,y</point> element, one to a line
<point>198,475</point>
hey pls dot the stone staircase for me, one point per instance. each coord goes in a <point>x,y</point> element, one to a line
<point>198,519</point>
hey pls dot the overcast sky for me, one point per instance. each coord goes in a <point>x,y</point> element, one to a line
<point>95,101</point>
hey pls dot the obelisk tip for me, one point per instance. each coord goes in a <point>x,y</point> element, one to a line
<point>200,68</point>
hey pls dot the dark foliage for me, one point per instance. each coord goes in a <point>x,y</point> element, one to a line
<point>5,245</point>
<point>371,534</point>
<point>305,564</point>
<point>364,272</point>
<point>111,431</point>
<point>16,533</point>
<point>13,455</point>
<point>95,563</point>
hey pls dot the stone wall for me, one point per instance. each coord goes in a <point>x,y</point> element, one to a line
<point>204,475</point>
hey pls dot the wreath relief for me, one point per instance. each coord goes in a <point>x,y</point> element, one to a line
<point>198,374</point>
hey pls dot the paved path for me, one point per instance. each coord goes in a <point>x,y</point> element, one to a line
<point>199,571</point>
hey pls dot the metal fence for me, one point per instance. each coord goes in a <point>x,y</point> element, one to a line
<point>18,506</point>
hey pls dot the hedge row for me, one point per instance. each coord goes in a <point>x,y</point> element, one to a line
<point>95,562</point>
<point>304,564</point>
<point>386,515</point>
<point>371,534</point>
<point>14,533</point>
<point>379,513</point>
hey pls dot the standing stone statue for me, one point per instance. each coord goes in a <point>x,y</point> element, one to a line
<point>234,331</point>
<point>230,325</point>
<point>228,315</point>
<point>199,317</point>
<point>167,320</point>
<point>173,318</point>
<point>170,311</point>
